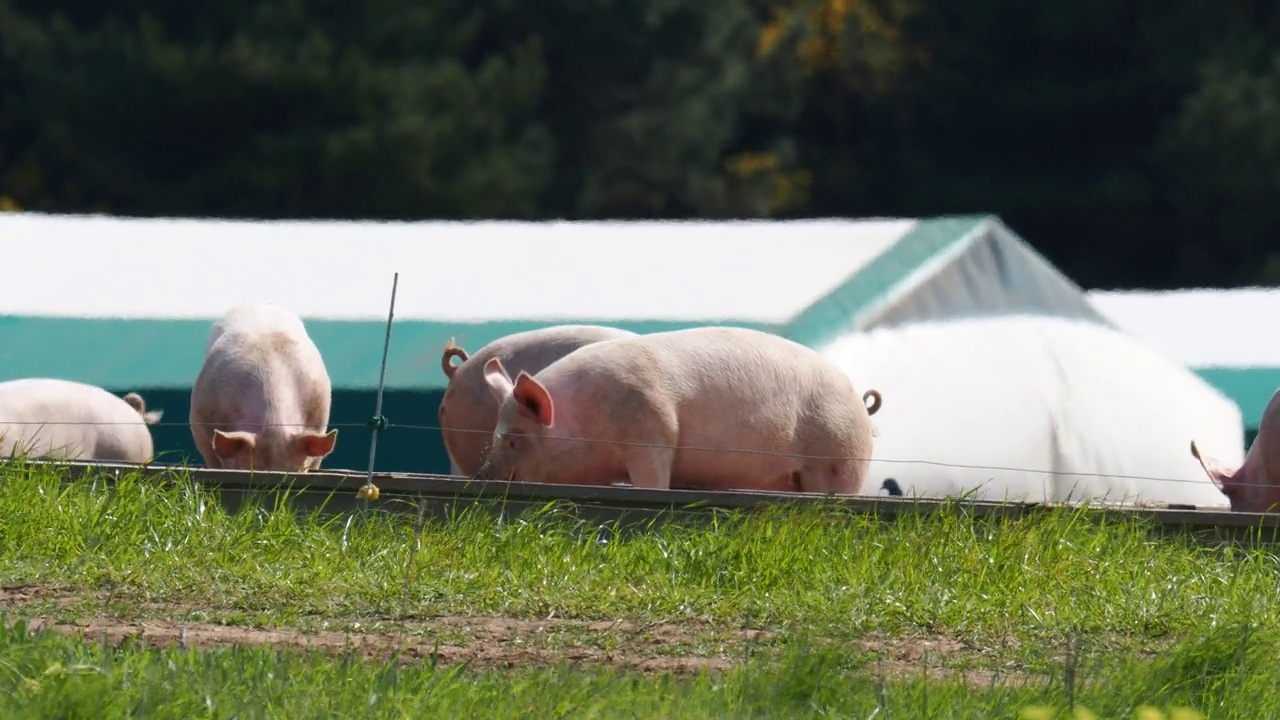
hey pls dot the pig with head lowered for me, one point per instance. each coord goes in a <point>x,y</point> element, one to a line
<point>1255,485</point>
<point>261,400</point>
<point>469,411</point>
<point>711,407</point>
<point>62,419</point>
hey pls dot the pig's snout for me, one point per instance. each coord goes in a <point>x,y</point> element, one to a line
<point>489,471</point>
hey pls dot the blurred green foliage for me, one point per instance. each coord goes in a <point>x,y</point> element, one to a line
<point>1136,144</point>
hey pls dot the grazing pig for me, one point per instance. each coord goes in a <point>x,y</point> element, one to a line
<point>469,411</point>
<point>261,400</point>
<point>1255,485</point>
<point>712,407</point>
<point>51,418</point>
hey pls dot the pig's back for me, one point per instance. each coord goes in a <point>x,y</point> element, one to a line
<point>48,415</point>
<point>530,351</point>
<point>261,367</point>
<point>533,350</point>
<point>256,320</point>
<point>263,341</point>
<point>689,364</point>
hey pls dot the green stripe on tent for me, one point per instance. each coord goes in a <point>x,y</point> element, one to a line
<point>105,352</point>
<point>125,354</point>
<point>843,308</point>
<point>1250,388</point>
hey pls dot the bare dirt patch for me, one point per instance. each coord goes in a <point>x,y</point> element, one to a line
<point>505,642</point>
<point>489,652</point>
<point>20,594</point>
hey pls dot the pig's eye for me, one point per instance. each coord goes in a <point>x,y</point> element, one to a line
<point>513,442</point>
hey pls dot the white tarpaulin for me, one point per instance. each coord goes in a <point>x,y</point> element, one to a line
<point>457,272</point>
<point>1027,408</point>
<point>1224,321</point>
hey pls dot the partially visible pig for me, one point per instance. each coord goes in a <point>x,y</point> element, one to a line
<point>137,403</point>
<point>62,419</point>
<point>469,411</point>
<point>261,400</point>
<point>1255,485</point>
<point>712,407</point>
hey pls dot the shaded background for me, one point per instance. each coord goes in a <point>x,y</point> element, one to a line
<point>1135,144</point>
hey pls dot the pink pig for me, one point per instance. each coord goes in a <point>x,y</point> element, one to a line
<point>1255,485</point>
<point>54,418</point>
<point>711,407</point>
<point>469,412</point>
<point>261,400</point>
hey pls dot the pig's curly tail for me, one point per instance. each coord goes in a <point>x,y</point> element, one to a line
<point>875,398</point>
<point>451,351</point>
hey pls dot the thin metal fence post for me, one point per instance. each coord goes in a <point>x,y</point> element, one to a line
<point>379,423</point>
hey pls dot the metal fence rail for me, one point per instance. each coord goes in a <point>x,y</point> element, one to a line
<point>438,495</point>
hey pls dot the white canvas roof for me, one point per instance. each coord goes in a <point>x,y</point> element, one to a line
<point>806,279</point>
<point>1036,409</point>
<point>449,271</point>
<point>1201,328</point>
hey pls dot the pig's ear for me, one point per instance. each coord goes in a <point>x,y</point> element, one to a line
<point>497,378</point>
<point>1221,476</point>
<point>533,399</point>
<point>314,444</point>
<point>230,444</point>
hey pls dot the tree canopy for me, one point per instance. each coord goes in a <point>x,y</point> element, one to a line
<point>1135,144</point>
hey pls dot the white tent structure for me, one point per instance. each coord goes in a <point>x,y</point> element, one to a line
<point>806,279</point>
<point>1202,327</point>
<point>914,308</point>
<point>154,284</point>
<point>1221,334</point>
<point>1036,409</point>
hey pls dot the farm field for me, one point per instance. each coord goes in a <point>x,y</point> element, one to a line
<point>144,598</point>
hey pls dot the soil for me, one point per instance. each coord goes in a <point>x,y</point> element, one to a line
<point>504,642</point>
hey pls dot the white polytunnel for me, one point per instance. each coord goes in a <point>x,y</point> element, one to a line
<point>891,299</point>
<point>1213,332</point>
<point>1035,409</point>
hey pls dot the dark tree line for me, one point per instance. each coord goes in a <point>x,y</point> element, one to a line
<point>1135,143</point>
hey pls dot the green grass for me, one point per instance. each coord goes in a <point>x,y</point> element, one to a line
<point>1052,575</point>
<point>1155,620</point>
<point>45,675</point>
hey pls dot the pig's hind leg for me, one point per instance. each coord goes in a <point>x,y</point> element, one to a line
<point>829,476</point>
<point>651,454</point>
<point>651,467</point>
